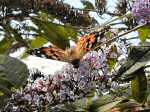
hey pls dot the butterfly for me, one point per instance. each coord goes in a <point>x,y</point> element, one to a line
<point>71,55</point>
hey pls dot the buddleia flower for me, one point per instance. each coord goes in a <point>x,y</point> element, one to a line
<point>141,11</point>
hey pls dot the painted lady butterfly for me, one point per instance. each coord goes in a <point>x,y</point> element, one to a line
<point>85,44</point>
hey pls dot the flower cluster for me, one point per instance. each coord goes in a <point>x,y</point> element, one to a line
<point>141,11</point>
<point>68,84</point>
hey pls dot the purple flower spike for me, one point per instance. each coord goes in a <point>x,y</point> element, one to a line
<point>141,11</point>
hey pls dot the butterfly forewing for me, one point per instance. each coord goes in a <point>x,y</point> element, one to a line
<point>86,44</point>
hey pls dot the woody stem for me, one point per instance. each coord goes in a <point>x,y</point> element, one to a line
<point>125,33</point>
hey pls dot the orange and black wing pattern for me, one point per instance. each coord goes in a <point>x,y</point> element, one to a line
<point>50,52</point>
<point>85,44</point>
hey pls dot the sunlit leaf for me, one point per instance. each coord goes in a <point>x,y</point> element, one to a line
<point>38,42</point>
<point>1,93</point>
<point>144,33</point>
<point>112,63</point>
<point>112,57</point>
<point>5,45</point>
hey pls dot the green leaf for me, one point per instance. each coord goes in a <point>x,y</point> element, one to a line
<point>59,35</point>
<point>139,86</point>
<point>105,103</point>
<point>81,105</point>
<point>144,33</point>
<point>5,87</point>
<point>112,63</point>
<point>128,105</point>
<point>138,57</point>
<point>102,101</point>
<point>38,42</point>
<point>1,93</point>
<point>112,60</point>
<point>87,4</point>
<point>13,33</point>
<point>17,74</point>
<point>44,15</point>
<point>11,36</point>
<point>11,76</point>
<point>5,45</point>
<point>107,107</point>
<point>130,73</point>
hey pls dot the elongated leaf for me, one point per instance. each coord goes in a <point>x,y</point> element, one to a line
<point>137,56</point>
<point>13,33</point>
<point>13,74</point>
<point>139,64</point>
<point>5,87</point>
<point>57,34</point>
<point>139,86</point>
<point>107,107</point>
<point>11,36</point>
<point>122,104</point>
<point>102,101</point>
<point>128,105</point>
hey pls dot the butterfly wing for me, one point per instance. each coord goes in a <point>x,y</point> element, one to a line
<point>51,52</point>
<point>86,44</point>
<point>73,56</point>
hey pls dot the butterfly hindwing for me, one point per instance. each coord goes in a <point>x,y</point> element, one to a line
<point>49,53</point>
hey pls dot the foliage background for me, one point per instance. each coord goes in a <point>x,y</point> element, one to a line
<point>27,24</point>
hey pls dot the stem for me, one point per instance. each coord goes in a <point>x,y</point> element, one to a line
<point>125,33</point>
<point>93,10</point>
<point>129,38</point>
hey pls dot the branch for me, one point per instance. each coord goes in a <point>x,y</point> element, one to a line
<point>125,33</point>
<point>93,10</point>
<point>129,38</point>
